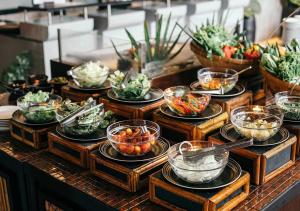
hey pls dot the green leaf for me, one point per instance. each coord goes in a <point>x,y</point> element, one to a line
<point>175,42</point>
<point>132,40</point>
<point>179,50</point>
<point>157,38</point>
<point>147,40</point>
<point>116,50</point>
<point>166,32</point>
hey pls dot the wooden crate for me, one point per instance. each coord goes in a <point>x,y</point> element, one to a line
<point>173,197</point>
<point>35,137</point>
<point>74,152</point>
<point>295,129</point>
<point>78,96</point>
<point>131,111</point>
<point>128,176</point>
<point>178,130</point>
<point>228,104</point>
<point>263,163</point>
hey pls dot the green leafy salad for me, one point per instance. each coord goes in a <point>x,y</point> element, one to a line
<point>134,88</point>
<point>39,107</point>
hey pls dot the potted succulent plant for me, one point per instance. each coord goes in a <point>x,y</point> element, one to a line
<point>249,18</point>
<point>152,54</point>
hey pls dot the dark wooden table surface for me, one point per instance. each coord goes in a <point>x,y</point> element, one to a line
<point>277,193</point>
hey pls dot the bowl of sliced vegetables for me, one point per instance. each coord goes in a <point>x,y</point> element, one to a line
<point>39,107</point>
<point>183,102</point>
<point>290,104</point>
<point>83,125</point>
<point>90,75</point>
<point>133,137</point>
<point>258,122</point>
<point>130,85</point>
<point>216,78</point>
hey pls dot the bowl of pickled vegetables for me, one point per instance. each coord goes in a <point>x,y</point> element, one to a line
<point>258,122</point>
<point>216,78</point>
<point>133,137</point>
<point>39,107</point>
<point>183,102</point>
<point>290,104</point>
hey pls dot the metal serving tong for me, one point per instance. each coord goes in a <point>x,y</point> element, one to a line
<point>195,153</point>
<point>84,109</point>
<point>212,91</point>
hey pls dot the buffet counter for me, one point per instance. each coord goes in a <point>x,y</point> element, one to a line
<point>54,184</point>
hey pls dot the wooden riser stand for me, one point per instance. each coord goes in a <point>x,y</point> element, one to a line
<point>263,163</point>
<point>35,137</point>
<point>74,152</point>
<point>176,198</point>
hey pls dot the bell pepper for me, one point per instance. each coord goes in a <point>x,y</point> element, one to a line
<point>252,53</point>
<point>229,51</point>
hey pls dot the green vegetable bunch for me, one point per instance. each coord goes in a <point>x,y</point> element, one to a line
<point>135,88</point>
<point>284,66</point>
<point>161,47</point>
<point>39,97</point>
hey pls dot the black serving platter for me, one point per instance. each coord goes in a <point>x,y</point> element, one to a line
<point>105,86</point>
<point>231,173</point>
<point>98,135</point>
<point>18,116</point>
<point>237,90</point>
<point>157,150</point>
<point>211,111</point>
<point>153,94</point>
<point>229,133</point>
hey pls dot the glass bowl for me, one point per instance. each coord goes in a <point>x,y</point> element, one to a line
<point>258,122</point>
<point>184,103</point>
<point>85,124</point>
<point>133,137</point>
<point>39,112</point>
<point>290,104</point>
<point>130,85</point>
<point>204,170</point>
<point>212,78</point>
<point>90,75</point>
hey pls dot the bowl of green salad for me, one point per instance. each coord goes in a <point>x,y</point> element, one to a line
<point>130,85</point>
<point>39,107</point>
<point>83,125</point>
<point>89,75</point>
<point>290,104</point>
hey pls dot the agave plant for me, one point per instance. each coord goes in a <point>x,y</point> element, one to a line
<point>158,49</point>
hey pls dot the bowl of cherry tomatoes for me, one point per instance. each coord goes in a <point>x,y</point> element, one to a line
<point>133,137</point>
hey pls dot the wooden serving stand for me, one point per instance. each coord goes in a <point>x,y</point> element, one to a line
<point>131,111</point>
<point>74,152</point>
<point>230,103</point>
<point>178,130</point>
<point>34,136</point>
<point>128,176</point>
<point>78,96</point>
<point>173,197</point>
<point>295,129</point>
<point>263,163</point>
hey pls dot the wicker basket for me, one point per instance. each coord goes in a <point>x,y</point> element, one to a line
<point>218,61</point>
<point>275,84</point>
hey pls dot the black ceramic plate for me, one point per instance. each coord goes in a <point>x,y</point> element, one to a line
<point>157,150</point>
<point>237,90</point>
<point>291,121</point>
<point>73,85</point>
<point>98,135</point>
<point>211,111</point>
<point>152,95</point>
<point>20,118</point>
<point>229,133</point>
<point>230,174</point>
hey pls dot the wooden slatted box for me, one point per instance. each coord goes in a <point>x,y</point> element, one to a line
<point>173,197</point>
<point>128,176</point>
<point>263,163</point>
<point>295,129</point>
<point>230,103</point>
<point>74,152</point>
<point>35,137</point>
<point>78,96</point>
<point>131,111</point>
<point>178,130</point>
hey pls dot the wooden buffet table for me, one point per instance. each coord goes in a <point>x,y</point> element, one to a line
<point>38,180</point>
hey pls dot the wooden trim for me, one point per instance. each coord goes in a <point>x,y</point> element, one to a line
<point>280,147</point>
<point>277,171</point>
